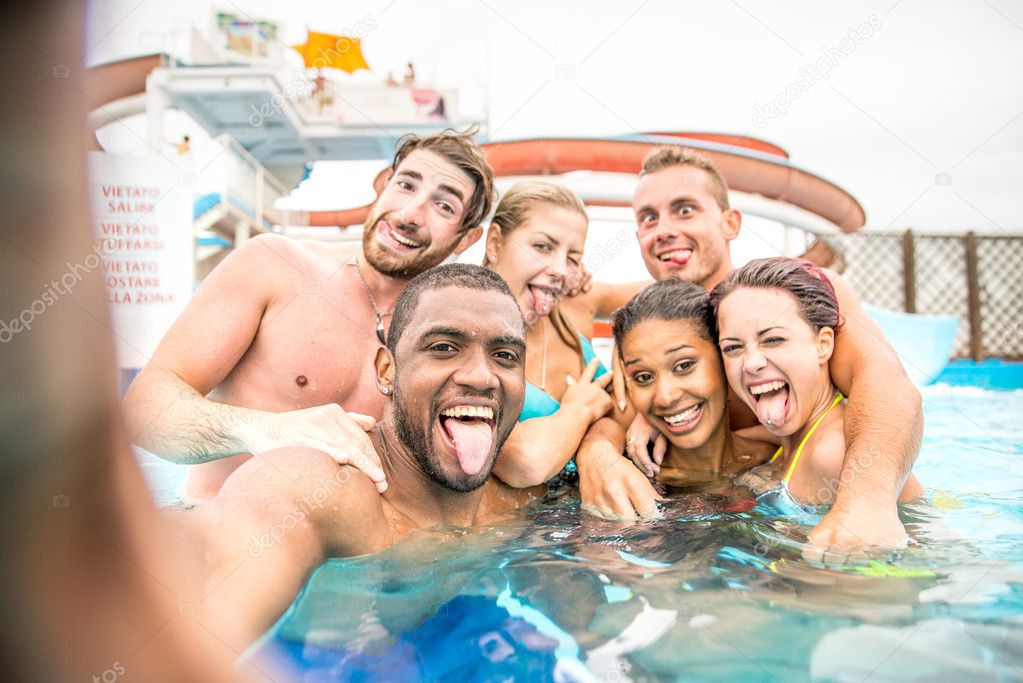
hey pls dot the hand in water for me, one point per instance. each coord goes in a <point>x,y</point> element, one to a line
<point>639,434</point>
<point>611,488</point>
<point>328,428</point>
<point>589,393</point>
<point>846,534</point>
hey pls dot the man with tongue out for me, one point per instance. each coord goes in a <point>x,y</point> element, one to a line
<point>453,378</point>
<point>684,226</point>
<point>461,391</point>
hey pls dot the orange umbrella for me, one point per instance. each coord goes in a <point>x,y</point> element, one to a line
<point>321,50</point>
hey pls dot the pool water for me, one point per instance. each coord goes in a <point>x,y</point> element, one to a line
<point>718,590</point>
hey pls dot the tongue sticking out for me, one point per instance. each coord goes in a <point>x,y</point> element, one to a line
<point>473,440</point>
<point>681,257</point>
<point>772,406</point>
<point>543,301</point>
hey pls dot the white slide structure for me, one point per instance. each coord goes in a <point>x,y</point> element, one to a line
<point>924,342</point>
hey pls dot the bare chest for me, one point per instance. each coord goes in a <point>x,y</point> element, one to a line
<point>312,348</point>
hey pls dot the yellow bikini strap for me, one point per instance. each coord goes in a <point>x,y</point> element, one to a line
<point>813,428</point>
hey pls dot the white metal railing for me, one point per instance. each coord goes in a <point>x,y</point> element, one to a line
<point>331,102</point>
<point>185,45</point>
<point>247,189</point>
<point>368,104</point>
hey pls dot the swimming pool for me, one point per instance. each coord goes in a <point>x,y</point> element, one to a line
<point>705,594</point>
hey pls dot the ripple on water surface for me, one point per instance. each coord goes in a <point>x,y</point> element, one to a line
<point>716,590</point>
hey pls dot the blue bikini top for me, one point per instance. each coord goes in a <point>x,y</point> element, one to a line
<point>539,403</point>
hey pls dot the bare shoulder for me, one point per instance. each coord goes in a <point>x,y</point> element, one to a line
<point>304,474</point>
<point>843,290</point>
<point>853,315</point>
<point>340,502</point>
<point>860,344</point>
<point>253,271</point>
<point>278,252</point>
<point>579,310</point>
<point>855,321</point>
<point>253,276</point>
<point>267,250</point>
<point>604,298</point>
<point>269,266</point>
<point>319,249</point>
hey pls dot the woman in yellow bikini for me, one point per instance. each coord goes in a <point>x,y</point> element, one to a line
<point>777,320</point>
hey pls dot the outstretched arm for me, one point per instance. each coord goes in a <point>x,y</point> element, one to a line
<point>883,428</point>
<point>166,406</point>
<point>609,297</point>
<point>599,300</point>
<point>539,447</point>
<point>92,585</point>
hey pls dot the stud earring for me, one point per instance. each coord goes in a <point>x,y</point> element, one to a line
<point>387,391</point>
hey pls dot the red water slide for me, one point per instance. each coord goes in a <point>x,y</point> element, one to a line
<point>748,164</point>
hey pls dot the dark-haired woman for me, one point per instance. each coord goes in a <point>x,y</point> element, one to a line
<point>675,380</point>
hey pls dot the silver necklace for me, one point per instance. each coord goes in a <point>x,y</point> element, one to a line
<point>373,303</point>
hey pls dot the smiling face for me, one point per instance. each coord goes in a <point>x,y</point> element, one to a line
<point>416,222</point>
<point>675,380</point>
<point>683,232</point>
<point>539,256</point>
<point>774,360</point>
<point>460,383</point>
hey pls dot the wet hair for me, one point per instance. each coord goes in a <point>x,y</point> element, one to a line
<point>513,210</point>
<point>666,300</point>
<point>460,149</point>
<point>463,275</point>
<point>669,156</point>
<point>806,281</point>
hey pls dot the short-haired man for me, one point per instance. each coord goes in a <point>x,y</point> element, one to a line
<point>281,334</point>
<point>684,226</point>
<point>453,378</point>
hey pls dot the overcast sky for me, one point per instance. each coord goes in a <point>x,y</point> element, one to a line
<point>914,106</point>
